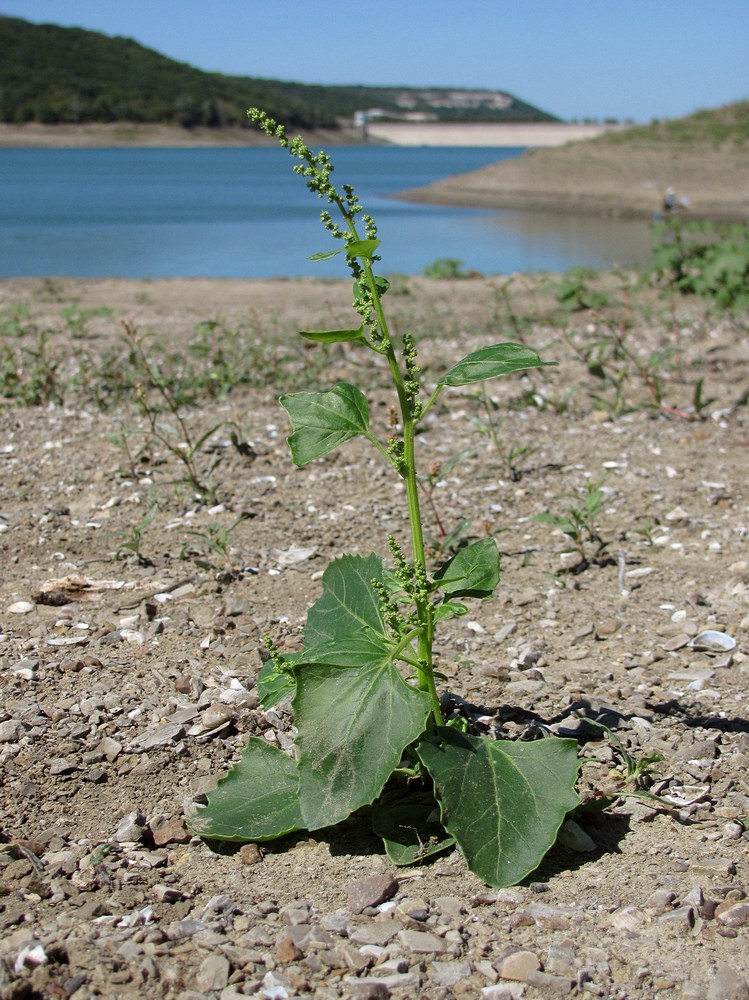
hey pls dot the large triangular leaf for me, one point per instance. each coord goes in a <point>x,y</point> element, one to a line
<point>502,801</point>
<point>349,609</point>
<point>490,362</point>
<point>353,724</point>
<point>321,421</point>
<point>257,800</point>
<point>472,572</point>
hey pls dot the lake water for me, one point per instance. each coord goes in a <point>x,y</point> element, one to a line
<point>243,213</point>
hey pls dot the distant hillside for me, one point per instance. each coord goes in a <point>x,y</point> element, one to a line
<point>704,156</point>
<point>53,75</point>
<point>714,127</point>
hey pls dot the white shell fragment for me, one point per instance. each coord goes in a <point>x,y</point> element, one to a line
<point>289,557</point>
<point>715,642</point>
<point>20,608</point>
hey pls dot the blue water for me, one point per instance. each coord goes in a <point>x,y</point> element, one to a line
<point>243,213</point>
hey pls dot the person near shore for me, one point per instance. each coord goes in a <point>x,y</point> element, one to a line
<point>669,201</point>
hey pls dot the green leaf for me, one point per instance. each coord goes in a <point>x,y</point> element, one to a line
<point>502,801</point>
<point>410,832</point>
<point>489,362</point>
<point>274,684</point>
<point>332,336</point>
<point>257,800</point>
<point>472,572</point>
<point>348,611</point>
<point>353,711</point>
<point>449,609</point>
<point>362,248</point>
<point>353,725</point>
<point>321,421</point>
<point>325,254</point>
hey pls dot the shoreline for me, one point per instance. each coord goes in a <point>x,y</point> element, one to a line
<point>131,134</point>
<point>604,179</point>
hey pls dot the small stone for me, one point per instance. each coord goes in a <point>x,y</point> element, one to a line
<point>677,642</point>
<point>287,951</point>
<point>519,965</point>
<point>734,914</point>
<point>110,748</point>
<point>168,894</point>
<point>605,629</point>
<point>162,736</point>
<point>660,900</point>
<point>503,991</point>
<point>449,974</point>
<point>366,989</point>
<point>130,829</point>
<point>236,606</point>
<point>249,854</point>
<point>559,985</point>
<point>62,765</point>
<point>727,984</point>
<point>170,831</point>
<point>422,942</point>
<point>216,715</point>
<point>213,973</point>
<point>10,731</point>
<point>370,892</point>
<point>629,918</point>
<point>376,932</point>
<point>681,919</point>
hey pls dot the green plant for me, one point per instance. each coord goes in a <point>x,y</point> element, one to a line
<point>578,524</point>
<point>489,426</point>
<point>31,374</point>
<point>444,267</point>
<point>369,721</point>
<point>135,538</point>
<point>574,293</point>
<point>178,438</point>
<point>701,258</point>
<point>216,539</point>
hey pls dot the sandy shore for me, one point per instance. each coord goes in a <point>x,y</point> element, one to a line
<point>119,134</point>
<point>598,178</point>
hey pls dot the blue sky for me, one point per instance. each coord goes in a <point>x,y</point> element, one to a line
<point>638,59</point>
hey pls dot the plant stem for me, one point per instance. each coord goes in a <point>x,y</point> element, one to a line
<point>424,608</point>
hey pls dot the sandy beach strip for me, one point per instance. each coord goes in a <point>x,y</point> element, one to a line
<point>118,134</point>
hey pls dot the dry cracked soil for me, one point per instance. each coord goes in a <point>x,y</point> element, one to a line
<point>132,611</point>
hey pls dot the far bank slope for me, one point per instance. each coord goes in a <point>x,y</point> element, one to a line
<point>705,157</point>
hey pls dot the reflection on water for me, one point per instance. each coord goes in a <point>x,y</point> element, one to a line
<point>590,241</point>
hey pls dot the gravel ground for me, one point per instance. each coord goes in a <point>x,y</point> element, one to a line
<point>130,641</point>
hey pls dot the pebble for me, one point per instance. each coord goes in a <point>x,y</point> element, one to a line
<point>130,829</point>
<point>422,942</point>
<point>169,831</point>
<point>10,730</point>
<point>449,973</point>
<point>250,854</point>
<point>732,914</point>
<point>519,966</point>
<point>370,892</point>
<point>213,973</point>
<point>727,984</point>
